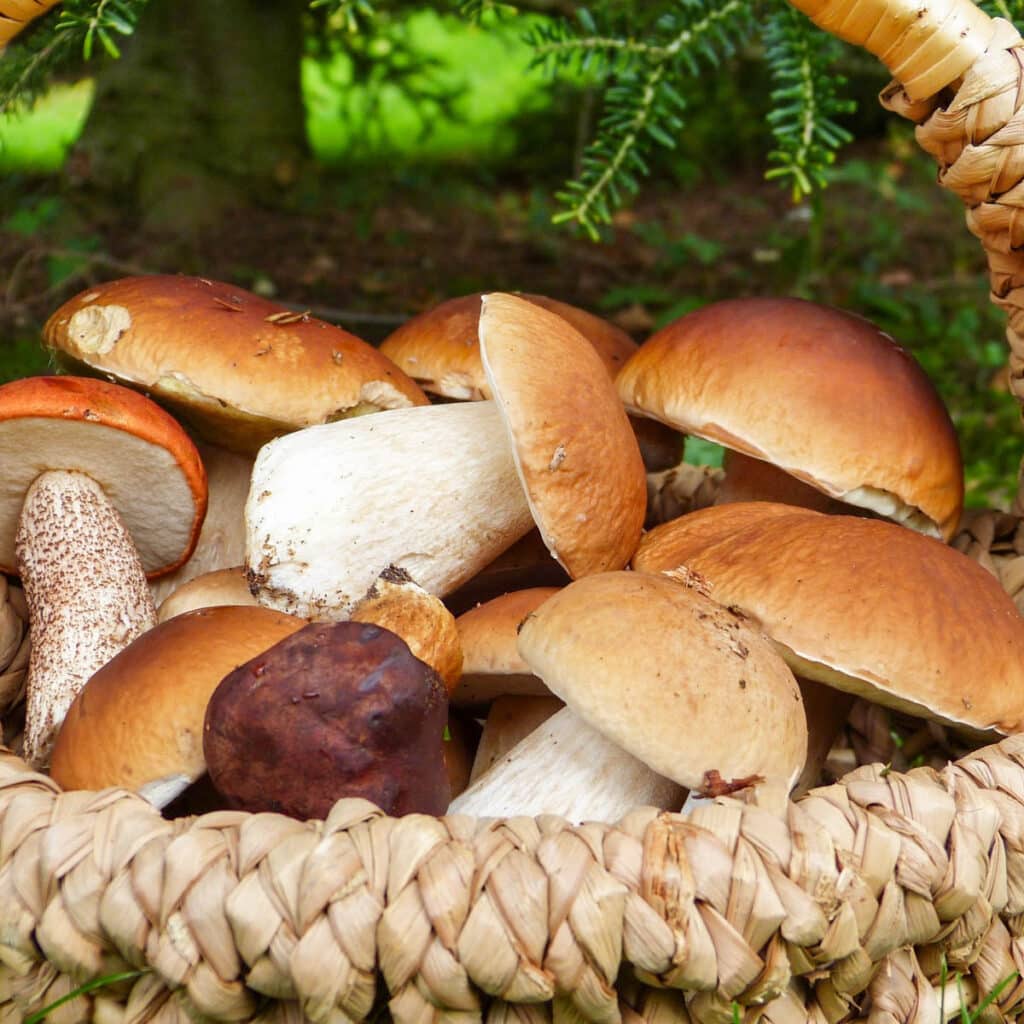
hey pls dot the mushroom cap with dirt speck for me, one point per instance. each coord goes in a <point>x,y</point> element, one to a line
<point>819,392</point>
<point>138,723</point>
<point>240,369</point>
<point>440,349</point>
<point>574,450</point>
<point>396,602</point>
<point>863,605</point>
<point>671,676</point>
<point>140,457</point>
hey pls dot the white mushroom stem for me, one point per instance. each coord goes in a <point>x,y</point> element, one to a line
<point>510,719</point>
<point>86,592</point>
<point>221,542</point>
<point>432,490</point>
<point>567,768</point>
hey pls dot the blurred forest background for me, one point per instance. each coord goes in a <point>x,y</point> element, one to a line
<point>419,154</point>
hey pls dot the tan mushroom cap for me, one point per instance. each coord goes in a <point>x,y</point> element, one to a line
<point>677,680</point>
<point>237,367</point>
<point>440,349</point>
<point>862,605</point>
<point>140,457</point>
<point>820,393</point>
<point>211,589</point>
<point>574,449</point>
<point>138,723</point>
<point>491,663</point>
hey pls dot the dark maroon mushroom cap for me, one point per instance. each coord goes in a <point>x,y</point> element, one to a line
<point>338,709</point>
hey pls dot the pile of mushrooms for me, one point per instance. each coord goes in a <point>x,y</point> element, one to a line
<point>445,600</point>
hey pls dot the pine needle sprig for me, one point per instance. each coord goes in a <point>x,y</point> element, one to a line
<point>643,104</point>
<point>806,100</point>
<point>64,38</point>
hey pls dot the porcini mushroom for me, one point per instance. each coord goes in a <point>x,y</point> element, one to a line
<point>101,487</point>
<point>430,490</point>
<point>138,722</point>
<point>221,586</point>
<point>654,676</point>
<point>821,394</point>
<point>440,349</point>
<point>441,491</point>
<point>398,603</point>
<point>862,605</point>
<point>574,450</point>
<point>491,663</point>
<point>337,709</point>
<point>236,367</point>
<point>221,541</point>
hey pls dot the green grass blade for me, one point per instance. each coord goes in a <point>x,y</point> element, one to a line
<point>90,986</point>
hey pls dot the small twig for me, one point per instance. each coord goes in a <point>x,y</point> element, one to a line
<point>91,261</point>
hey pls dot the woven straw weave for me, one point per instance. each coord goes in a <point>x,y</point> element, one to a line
<point>855,906</point>
<point>810,918</point>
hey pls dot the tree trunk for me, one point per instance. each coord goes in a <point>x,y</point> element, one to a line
<point>204,109</point>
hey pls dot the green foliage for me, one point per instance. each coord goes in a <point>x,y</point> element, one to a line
<point>806,100</point>
<point>640,61</point>
<point>63,39</point>
<point>641,67</point>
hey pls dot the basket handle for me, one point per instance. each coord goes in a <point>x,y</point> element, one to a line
<point>926,46</point>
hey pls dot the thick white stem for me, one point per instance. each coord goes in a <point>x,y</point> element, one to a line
<point>567,768</point>
<point>86,592</point>
<point>221,543</point>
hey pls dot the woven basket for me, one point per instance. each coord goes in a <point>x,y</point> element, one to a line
<point>890,897</point>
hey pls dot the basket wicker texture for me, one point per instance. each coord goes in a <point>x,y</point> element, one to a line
<point>808,918</point>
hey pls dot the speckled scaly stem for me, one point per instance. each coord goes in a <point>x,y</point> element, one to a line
<point>86,592</point>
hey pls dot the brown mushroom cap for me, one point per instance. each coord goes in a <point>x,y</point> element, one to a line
<point>440,349</point>
<point>820,393</point>
<point>575,452</point>
<point>138,723</point>
<point>337,709</point>
<point>399,604</point>
<point>139,456</point>
<point>666,673</point>
<point>491,662</point>
<point>862,605</point>
<point>237,367</point>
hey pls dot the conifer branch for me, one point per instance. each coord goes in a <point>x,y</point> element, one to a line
<point>806,100</point>
<point>643,96</point>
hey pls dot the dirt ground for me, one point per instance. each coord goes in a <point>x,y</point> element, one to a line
<point>369,257</point>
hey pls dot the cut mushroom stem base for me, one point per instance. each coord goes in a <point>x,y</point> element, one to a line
<point>86,592</point>
<point>567,768</point>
